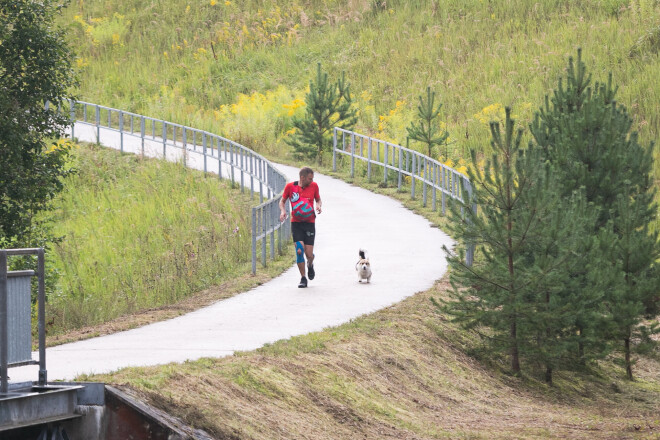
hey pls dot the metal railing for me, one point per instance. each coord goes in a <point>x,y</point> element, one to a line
<point>16,316</point>
<point>433,176</point>
<point>207,151</point>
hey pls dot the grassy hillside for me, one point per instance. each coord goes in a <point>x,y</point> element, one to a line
<point>141,233</point>
<point>401,373</point>
<point>239,67</point>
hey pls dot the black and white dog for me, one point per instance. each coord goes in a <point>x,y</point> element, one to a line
<point>363,267</point>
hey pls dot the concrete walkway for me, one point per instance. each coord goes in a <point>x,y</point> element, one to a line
<point>406,256</point>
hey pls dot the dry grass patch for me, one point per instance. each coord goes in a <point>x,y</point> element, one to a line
<point>399,373</point>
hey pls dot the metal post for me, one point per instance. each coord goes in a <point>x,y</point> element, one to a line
<point>98,124</point>
<point>231,162</point>
<point>412,177</point>
<point>242,173</point>
<point>142,133</point>
<point>204,149</point>
<point>72,114</point>
<point>184,141</point>
<point>164,139</point>
<point>4,324</point>
<point>254,241</point>
<point>334,149</point>
<point>424,185</point>
<point>385,159</point>
<point>444,189</point>
<point>352,154</point>
<point>435,184</point>
<point>41,268</point>
<point>369,160</point>
<point>400,173</point>
<point>121,131</point>
<point>263,238</point>
<point>271,225</point>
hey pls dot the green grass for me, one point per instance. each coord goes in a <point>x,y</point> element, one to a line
<point>141,233</point>
<point>237,68</point>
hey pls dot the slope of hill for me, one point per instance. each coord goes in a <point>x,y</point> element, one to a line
<point>401,373</point>
<point>138,235</point>
<point>190,61</point>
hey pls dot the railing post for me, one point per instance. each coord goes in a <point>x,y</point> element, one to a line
<point>254,241</point>
<point>121,131</point>
<point>72,115</point>
<point>184,141</point>
<point>4,324</point>
<point>242,172</point>
<point>435,184</point>
<point>98,124</point>
<point>334,149</point>
<point>142,129</point>
<point>400,173</point>
<point>271,226</point>
<point>164,139</point>
<point>41,315</point>
<point>204,149</point>
<point>385,160</point>
<point>369,160</point>
<point>412,177</point>
<point>352,154</point>
<point>231,162</point>
<point>263,238</point>
<point>424,181</point>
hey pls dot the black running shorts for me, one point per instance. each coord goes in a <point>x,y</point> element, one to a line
<point>303,231</point>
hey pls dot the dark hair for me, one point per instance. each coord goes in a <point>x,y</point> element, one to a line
<point>304,171</point>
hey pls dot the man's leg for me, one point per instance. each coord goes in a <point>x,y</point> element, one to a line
<point>309,253</point>
<point>300,257</point>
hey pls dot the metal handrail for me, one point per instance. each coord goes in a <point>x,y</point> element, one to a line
<point>4,318</point>
<point>183,141</point>
<point>431,173</point>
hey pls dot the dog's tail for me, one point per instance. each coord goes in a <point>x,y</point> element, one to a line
<point>362,254</point>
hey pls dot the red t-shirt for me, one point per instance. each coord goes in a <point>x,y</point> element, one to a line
<point>311,193</point>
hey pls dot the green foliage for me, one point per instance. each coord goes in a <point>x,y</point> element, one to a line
<point>427,130</point>
<point>141,233</point>
<point>328,105</point>
<point>587,135</point>
<point>34,68</point>
<point>527,235</point>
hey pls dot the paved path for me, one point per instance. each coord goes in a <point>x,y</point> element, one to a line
<point>406,256</point>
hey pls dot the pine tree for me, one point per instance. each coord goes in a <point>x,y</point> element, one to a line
<point>328,105</point>
<point>636,251</point>
<point>587,135</point>
<point>427,130</point>
<point>526,234</point>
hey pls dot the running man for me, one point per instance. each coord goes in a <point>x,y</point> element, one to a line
<point>302,193</point>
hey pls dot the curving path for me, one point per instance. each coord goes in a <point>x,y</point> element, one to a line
<point>406,256</point>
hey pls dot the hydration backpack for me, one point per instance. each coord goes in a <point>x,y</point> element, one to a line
<point>301,209</point>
